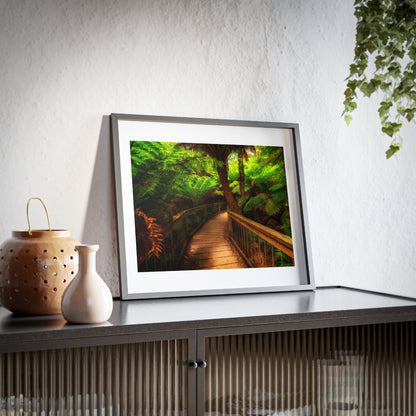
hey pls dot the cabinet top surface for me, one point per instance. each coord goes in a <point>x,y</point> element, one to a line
<point>214,312</point>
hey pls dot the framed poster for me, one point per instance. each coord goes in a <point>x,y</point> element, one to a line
<point>209,207</point>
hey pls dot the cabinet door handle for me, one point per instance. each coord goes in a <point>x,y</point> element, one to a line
<point>192,364</point>
<point>201,363</point>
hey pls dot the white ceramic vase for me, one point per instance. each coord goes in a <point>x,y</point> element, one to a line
<point>87,300</point>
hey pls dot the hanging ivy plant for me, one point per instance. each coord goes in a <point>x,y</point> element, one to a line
<point>385,59</point>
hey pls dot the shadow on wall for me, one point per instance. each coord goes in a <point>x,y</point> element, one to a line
<point>100,221</point>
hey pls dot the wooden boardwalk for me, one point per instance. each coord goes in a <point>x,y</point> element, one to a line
<point>210,248</point>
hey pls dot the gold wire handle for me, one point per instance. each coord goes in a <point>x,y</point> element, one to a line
<point>27,214</point>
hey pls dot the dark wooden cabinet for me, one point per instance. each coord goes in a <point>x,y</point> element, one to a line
<point>333,351</point>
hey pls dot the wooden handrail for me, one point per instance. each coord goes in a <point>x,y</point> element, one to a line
<point>282,242</point>
<point>178,217</point>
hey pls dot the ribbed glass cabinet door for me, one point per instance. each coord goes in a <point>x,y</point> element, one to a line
<point>146,378</point>
<point>355,371</point>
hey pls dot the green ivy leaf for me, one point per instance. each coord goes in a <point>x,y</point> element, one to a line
<point>348,119</point>
<point>391,128</point>
<point>410,114</point>
<point>392,150</point>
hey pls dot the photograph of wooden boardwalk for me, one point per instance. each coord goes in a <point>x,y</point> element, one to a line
<point>210,206</point>
<point>210,248</point>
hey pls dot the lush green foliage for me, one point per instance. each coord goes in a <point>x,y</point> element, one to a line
<point>265,198</point>
<point>171,177</point>
<point>386,45</point>
<point>168,179</point>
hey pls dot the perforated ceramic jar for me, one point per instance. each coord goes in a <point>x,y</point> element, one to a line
<point>36,269</point>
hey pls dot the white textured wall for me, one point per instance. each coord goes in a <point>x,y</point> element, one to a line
<point>66,65</point>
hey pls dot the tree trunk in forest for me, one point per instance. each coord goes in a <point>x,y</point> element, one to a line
<point>223,175</point>
<point>242,178</point>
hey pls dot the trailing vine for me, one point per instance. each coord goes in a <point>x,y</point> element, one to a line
<point>385,45</point>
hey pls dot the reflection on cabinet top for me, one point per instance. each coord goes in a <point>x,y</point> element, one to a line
<point>324,307</point>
